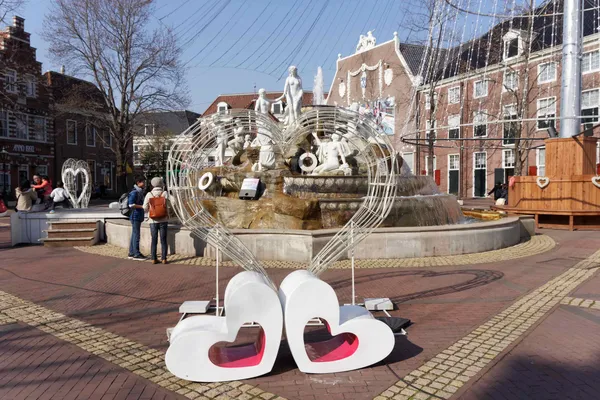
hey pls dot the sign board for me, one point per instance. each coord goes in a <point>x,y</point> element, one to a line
<point>249,190</point>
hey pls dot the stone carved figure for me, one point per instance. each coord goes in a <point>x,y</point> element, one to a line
<point>262,103</point>
<point>292,91</point>
<point>328,154</point>
<point>247,142</point>
<point>361,43</point>
<point>366,42</point>
<point>221,146</point>
<point>266,156</point>
<point>370,40</point>
<point>237,143</point>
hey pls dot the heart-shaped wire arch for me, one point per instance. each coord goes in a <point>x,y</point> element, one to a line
<point>70,169</point>
<point>190,154</point>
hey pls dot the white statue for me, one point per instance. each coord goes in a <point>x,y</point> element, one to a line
<point>366,42</point>
<point>221,146</point>
<point>370,40</point>
<point>361,43</point>
<point>247,142</point>
<point>237,143</point>
<point>328,154</point>
<point>292,91</point>
<point>266,156</point>
<point>262,103</point>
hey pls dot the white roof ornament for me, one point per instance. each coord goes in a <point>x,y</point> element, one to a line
<point>366,42</point>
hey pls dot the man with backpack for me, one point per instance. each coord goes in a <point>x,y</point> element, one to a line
<point>155,203</point>
<point>135,200</point>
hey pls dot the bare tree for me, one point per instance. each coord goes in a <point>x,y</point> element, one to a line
<point>8,7</point>
<point>153,151</point>
<point>136,68</point>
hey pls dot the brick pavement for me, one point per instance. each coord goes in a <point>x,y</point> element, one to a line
<point>138,300</point>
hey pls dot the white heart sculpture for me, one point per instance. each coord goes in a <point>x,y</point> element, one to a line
<point>359,339</point>
<point>76,201</point>
<point>542,181</point>
<point>248,298</point>
<point>596,181</point>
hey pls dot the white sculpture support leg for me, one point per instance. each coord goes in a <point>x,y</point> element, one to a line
<point>192,354</point>
<point>359,340</point>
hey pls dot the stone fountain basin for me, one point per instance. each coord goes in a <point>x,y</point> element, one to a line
<point>383,243</point>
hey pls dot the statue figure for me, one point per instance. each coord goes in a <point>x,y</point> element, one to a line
<point>262,103</point>
<point>247,142</point>
<point>221,146</point>
<point>292,91</point>
<point>328,154</point>
<point>370,40</point>
<point>237,143</point>
<point>361,43</point>
<point>266,156</point>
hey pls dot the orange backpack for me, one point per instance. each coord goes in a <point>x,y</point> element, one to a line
<point>158,207</point>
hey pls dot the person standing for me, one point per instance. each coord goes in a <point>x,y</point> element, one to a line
<point>136,204</point>
<point>155,203</point>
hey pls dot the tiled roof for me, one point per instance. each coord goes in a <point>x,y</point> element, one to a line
<point>75,91</point>
<point>246,100</point>
<point>168,121</point>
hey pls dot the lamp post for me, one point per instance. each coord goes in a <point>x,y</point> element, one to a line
<point>4,159</point>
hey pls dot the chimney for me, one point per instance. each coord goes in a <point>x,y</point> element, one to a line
<point>18,23</point>
<point>62,69</point>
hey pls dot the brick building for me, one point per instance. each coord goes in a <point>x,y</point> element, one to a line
<point>80,127</point>
<point>26,129</point>
<point>477,95</point>
<point>226,102</point>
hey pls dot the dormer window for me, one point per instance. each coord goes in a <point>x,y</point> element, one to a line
<point>277,108</point>
<point>513,44</point>
<point>222,107</point>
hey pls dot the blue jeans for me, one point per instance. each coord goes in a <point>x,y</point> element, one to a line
<point>155,228</point>
<point>134,244</point>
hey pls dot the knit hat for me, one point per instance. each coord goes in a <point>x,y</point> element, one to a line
<point>157,181</point>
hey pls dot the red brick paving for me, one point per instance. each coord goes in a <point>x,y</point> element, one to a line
<point>558,360</point>
<point>139,300</point>
<point>36,365</point>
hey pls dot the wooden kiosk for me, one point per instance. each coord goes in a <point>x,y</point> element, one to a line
<point>568,197</point>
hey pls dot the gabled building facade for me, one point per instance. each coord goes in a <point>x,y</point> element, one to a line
<point>26,129</point>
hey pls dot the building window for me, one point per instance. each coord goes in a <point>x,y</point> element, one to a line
<point>409,160</point>
<point>454,126</point>
<point>590,100</point>
<point>92,167</point>
<point>454,95</point>
<point>430,133</point>
<point>108,175</point>
<point>22,128</point>
<point>90,135</point>
<point>453,162</point>
<point>41,170</point>
<point>30,86</point>
<point>37,130</point>
<point>511,48</point>
<point>4,178</point>
<point>427,164</point>
<point>546,112</point>
<point>428,100</point>
<point>148,129</point>
<point>590,62</point>
<point>137,158</point>
<point>541,161</point>
<point>222,107</point>
<point>480,89</point>
<point>508,158</point>
<point>547,72</point>
<point>480,123</point>
<point>71,132</point>
<point>23,172</point>
<point>107,139</point>
<point>10,81</point>
<point>509,128</point>
<point>480,160</point>
<point>511,81</point>
<point>3,123</point>
<point>277,108</point>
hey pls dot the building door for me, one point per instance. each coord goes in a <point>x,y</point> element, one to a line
<point>479,174</point>
<point>24,173</point>
<point>409,161</point>
<point>508,163</point>
<point>453,173</point>
<point>498,175</point>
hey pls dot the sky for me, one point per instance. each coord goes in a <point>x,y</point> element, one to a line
<point>239,46</point>
<point>232,45</point>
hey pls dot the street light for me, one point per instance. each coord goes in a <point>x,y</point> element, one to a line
<point>4,159</point>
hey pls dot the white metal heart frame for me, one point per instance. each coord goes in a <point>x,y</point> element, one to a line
<point>71,168</point>
<point>189,156</point>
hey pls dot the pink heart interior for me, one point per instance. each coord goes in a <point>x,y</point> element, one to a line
<point>332,348</point>
<point>230,355</point>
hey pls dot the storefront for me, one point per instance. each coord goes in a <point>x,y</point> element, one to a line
<point>20,161</point>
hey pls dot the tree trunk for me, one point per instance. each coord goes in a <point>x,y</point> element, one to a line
<point>121,169</point>
<point>431,154</point>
